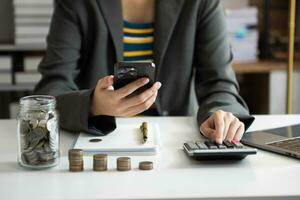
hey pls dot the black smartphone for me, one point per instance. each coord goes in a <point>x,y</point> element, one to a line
<point>127,72</point>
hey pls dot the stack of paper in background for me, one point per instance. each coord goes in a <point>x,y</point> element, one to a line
<point>5,70</point>
<point>30,74</point>
<point>242,25</point>
<point>32,21</point>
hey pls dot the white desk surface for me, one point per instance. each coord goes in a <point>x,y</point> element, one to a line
<point>264,176</point>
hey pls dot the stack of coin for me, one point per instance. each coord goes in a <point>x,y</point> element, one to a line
<point>75,160</point>
<point>100,162</point>
<point>146,165</point>
<point>123,164</point>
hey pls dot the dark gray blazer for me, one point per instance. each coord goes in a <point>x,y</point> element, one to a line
<point>85,40</point>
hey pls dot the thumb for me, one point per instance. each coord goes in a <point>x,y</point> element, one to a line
<point>106,82</point>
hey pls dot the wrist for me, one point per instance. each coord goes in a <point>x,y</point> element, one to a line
<point>93,110</point>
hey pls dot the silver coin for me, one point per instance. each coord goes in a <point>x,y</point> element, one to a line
<point>52,126</point>
<point>47,149</point>
<point>34,143</point>
<point>27,117</point>
<point>53,143</point>
<point>24,127</point>
<point>28,149</point>
<point>35,135</point>
<point>42,123</point>
<point>46,156</point>
<point>40,132</point>
<point>40,144</point>
<point>31,157</point>
<point>23,142</point>
<point>33,123</point>
<point>29,136</point>
<point>40,150</point>
<point>42,115</point>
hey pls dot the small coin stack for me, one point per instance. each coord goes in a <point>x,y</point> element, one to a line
<point>146,165</point>
<point>100,162</point>
<point>75,160</point>
<point>123,164</point>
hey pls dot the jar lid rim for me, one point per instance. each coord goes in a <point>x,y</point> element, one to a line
<point>34,101</point>
<point>38,97</point>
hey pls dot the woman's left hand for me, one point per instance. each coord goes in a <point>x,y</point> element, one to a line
<point>222,126</point>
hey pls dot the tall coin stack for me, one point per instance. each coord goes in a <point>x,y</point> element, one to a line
<point>75,160</point>
<point>123,164</point>
<point>100,162</point>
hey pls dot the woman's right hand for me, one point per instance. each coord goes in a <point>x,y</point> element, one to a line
<point>107,101</point>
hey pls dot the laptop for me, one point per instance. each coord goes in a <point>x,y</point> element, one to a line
<point>284,140</point>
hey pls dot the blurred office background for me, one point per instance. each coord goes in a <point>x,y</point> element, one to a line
<point>257,29</point>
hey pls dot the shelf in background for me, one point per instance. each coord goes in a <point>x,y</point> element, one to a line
<point>18,87</point>
<point>22,48</point>
<point>263,66</point>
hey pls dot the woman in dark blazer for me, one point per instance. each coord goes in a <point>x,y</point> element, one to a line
<point>190,39</point>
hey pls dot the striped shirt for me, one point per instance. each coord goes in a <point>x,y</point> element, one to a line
<point>138,41</point>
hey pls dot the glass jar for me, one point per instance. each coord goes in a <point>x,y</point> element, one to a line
<point>38,132</point>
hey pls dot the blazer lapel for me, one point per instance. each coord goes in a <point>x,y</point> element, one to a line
<point>112,12</point>
<point>167,14</point>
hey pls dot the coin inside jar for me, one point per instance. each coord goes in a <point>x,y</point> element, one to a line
<point>38,144</point>
<point>146,165</point>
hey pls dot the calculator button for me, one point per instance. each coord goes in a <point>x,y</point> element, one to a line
<point>201,145</point>
<point>228,144</point>
<point>237,144</point>
<point>221,146</point>
<point>210,145</point>
<point>191,146</point>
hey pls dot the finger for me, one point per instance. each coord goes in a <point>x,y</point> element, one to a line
<point>235,124</point>
<point>110,83</point>
<point>228,118</point>
<point>240,131</point>
<point>219,127</point>
<point>206,130</point>
<point>131,87</point>
<point>132,111</point>
<point>105,82</point>
<point>141,98</point>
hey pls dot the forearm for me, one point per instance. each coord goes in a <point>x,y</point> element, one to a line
<point>74,109</point>
<point>215,82</point>
<point>61,67</point>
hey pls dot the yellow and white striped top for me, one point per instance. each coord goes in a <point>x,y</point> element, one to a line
<point>138,41</point>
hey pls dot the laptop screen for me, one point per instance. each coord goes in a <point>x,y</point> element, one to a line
<point>289,132</point>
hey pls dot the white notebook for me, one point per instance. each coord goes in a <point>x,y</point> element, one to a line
<point>125,140</point>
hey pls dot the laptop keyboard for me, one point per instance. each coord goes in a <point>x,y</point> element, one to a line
<point>291,144</point>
